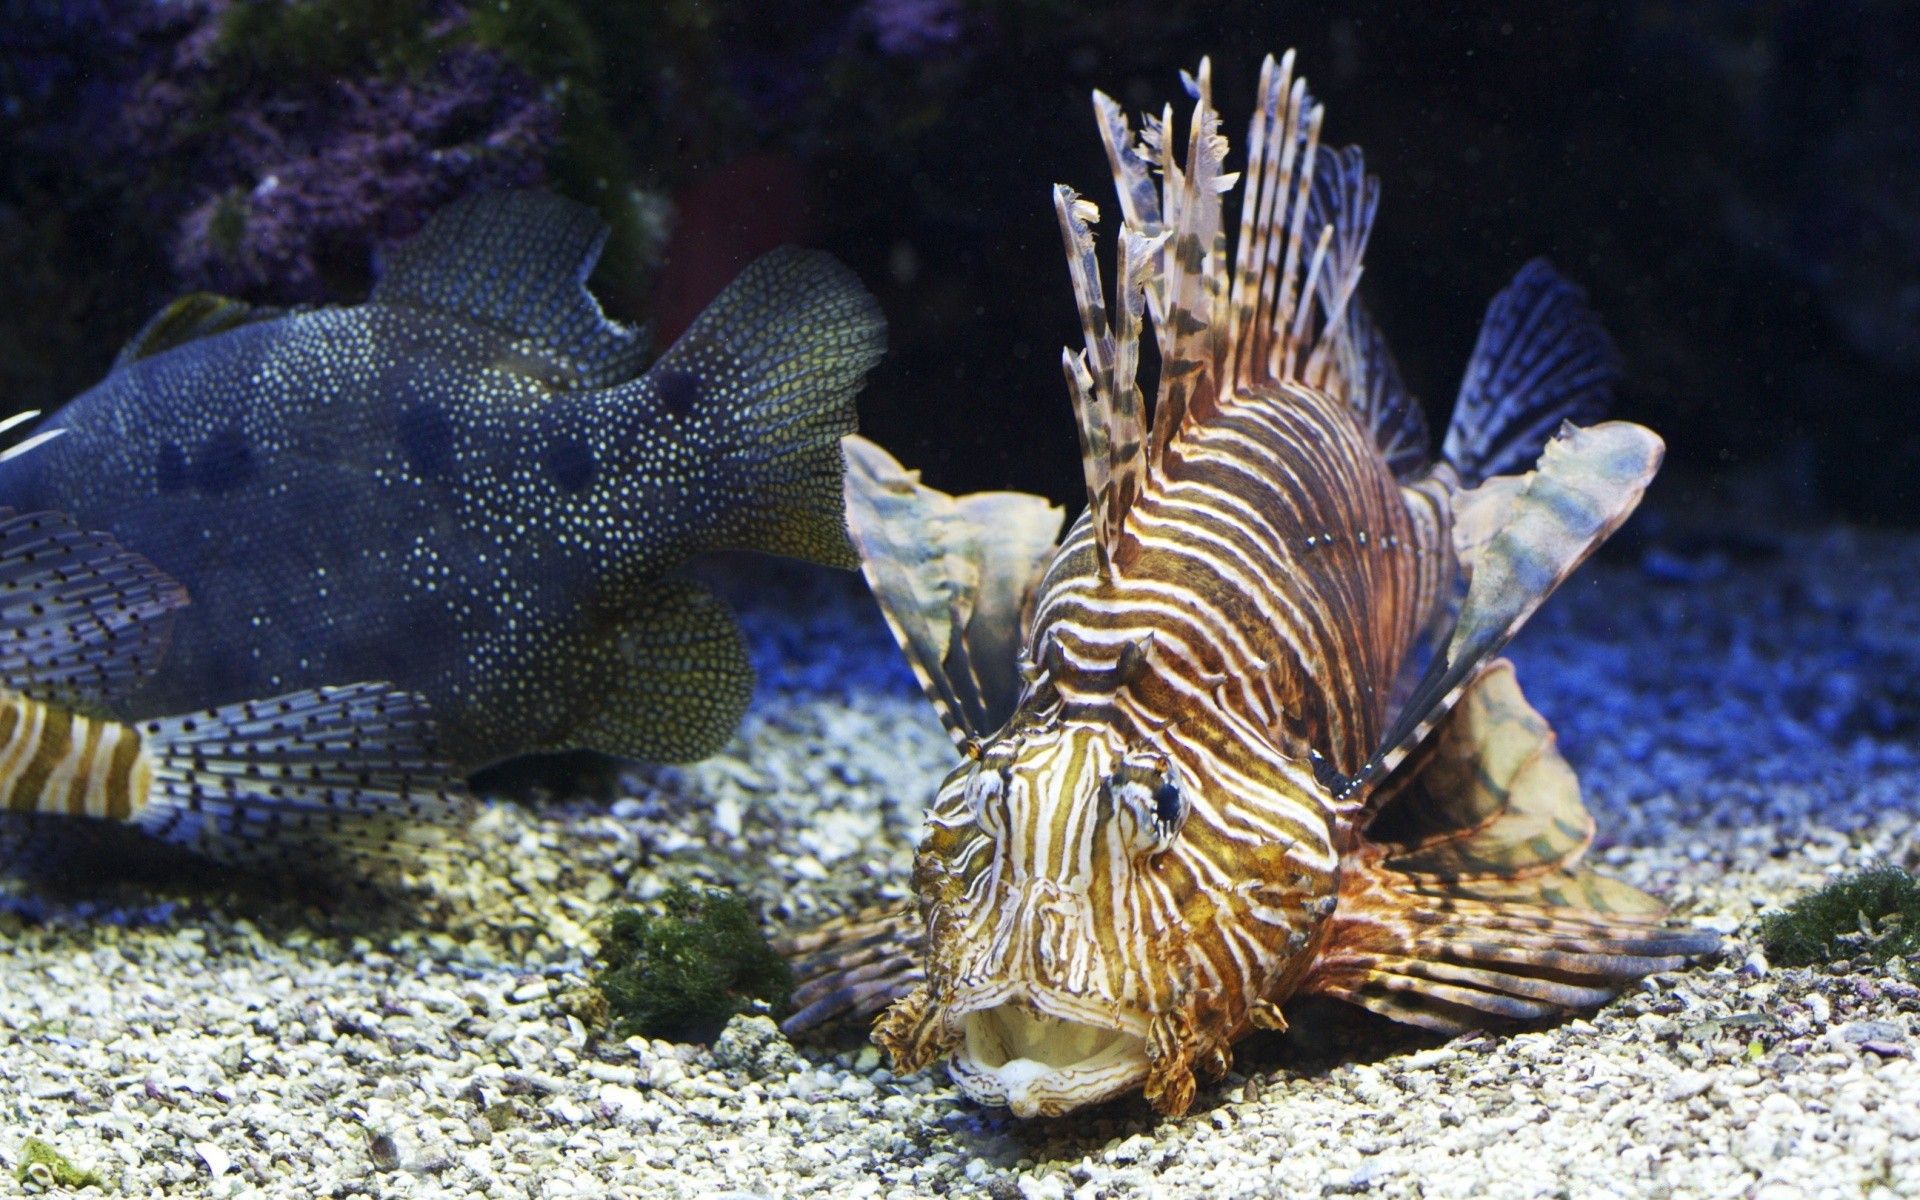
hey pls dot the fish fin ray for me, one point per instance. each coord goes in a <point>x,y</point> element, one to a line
<point>1517,538</point>
<point>354,769</point>
<point>1542,359</point>
<point>784,349</point>
<point>1469,901</point>
<point>82,619</point>
<point>518,261</point>
<point>854,966</point>
<point>188,319</point>
<point>953,576</point>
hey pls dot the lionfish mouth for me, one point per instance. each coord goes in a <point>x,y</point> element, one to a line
<point>1042,1064</point>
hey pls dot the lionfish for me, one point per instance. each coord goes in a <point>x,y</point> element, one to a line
<point>1218,771</point>
<point>292,780</point>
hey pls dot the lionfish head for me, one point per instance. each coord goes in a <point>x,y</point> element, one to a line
<point>1061,886</point>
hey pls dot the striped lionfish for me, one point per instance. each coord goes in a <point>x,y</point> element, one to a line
<point>1214,774</point>
<point>288,780</point>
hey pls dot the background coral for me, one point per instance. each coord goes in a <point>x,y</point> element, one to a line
<point>1730,181</point>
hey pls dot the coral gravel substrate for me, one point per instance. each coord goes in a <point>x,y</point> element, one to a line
<point>1743,733</point>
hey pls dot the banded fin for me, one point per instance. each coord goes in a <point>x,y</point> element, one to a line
<point>353,769</point>
<point>1281,310</point>
<point>1518,538</point>
<point>853,967</point>
<point>82,620</point>
<point>1469,901</point>
<point>779,356</point>
<point>188,319</point>
<point>953,576</point>
<point>1543,359</point>
<point>518,262</point>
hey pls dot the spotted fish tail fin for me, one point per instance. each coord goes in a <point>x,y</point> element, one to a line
<point>1468,901</point>
<point>769,372</point>
<point>1543,360</point>
<point>953,576</point>
<point>350,769</point>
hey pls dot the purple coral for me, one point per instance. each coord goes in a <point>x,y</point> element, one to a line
<point>356,165</point>
<point>915,28</point>
<point>275,185</point>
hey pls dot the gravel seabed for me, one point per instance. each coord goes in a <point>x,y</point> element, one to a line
<point>1744,729</point>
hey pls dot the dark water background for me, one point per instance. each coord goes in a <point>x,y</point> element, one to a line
<point>1737,183</point>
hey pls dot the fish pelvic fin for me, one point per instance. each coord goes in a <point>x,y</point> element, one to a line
<point>1543,360</point>
<point>854,966</point>
<point>1468,901</point>
<point>1281,309</point>
<point>667,682</point>
<point>353,770</point>
<point>773,365</point>
<point>518,261</point>
<point>953,576</point>
<point>82,619</point>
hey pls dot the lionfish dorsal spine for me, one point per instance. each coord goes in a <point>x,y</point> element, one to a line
<point>1272,312</point>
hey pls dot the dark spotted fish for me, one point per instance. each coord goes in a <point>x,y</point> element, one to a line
<point>469,486</point>
<point>1193,796</point>
<point>291,780</point>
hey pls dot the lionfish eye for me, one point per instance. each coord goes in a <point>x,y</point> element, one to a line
<point>1169,806</point>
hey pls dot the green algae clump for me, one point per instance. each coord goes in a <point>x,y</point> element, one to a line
<point>680,973</point>
<point>1875,913</point>
<point>40,1163</point>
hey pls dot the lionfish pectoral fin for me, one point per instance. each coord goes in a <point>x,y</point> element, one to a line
<point>952,576</point>
<point>853,967</point>
<point>1543,359</point>
<point>294,779</point>
<point>1470,903</point>
<point>82,619</point>
<point>1518,538</point>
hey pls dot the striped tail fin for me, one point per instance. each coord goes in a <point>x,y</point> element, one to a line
<point>1281,310</point>
<point>264,782</point>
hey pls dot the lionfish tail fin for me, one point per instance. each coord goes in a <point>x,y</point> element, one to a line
<point>1517,538</point>
<point>853,967</point>
<point>1543,360</point>
<point>953,576</point>
<point>82,619</point>
<point>1280,309</point>
<point>353,769</point>
<point>1469,901</point>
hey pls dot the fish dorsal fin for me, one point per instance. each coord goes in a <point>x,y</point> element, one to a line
<point>518,261</point>
<point>1345,199</point>
<point>953,576</point>
<point>82,620</point>
<point>1517,538</point>
<point>1543,360</point>
<point>188,319</point>
<point>1280,311</point>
